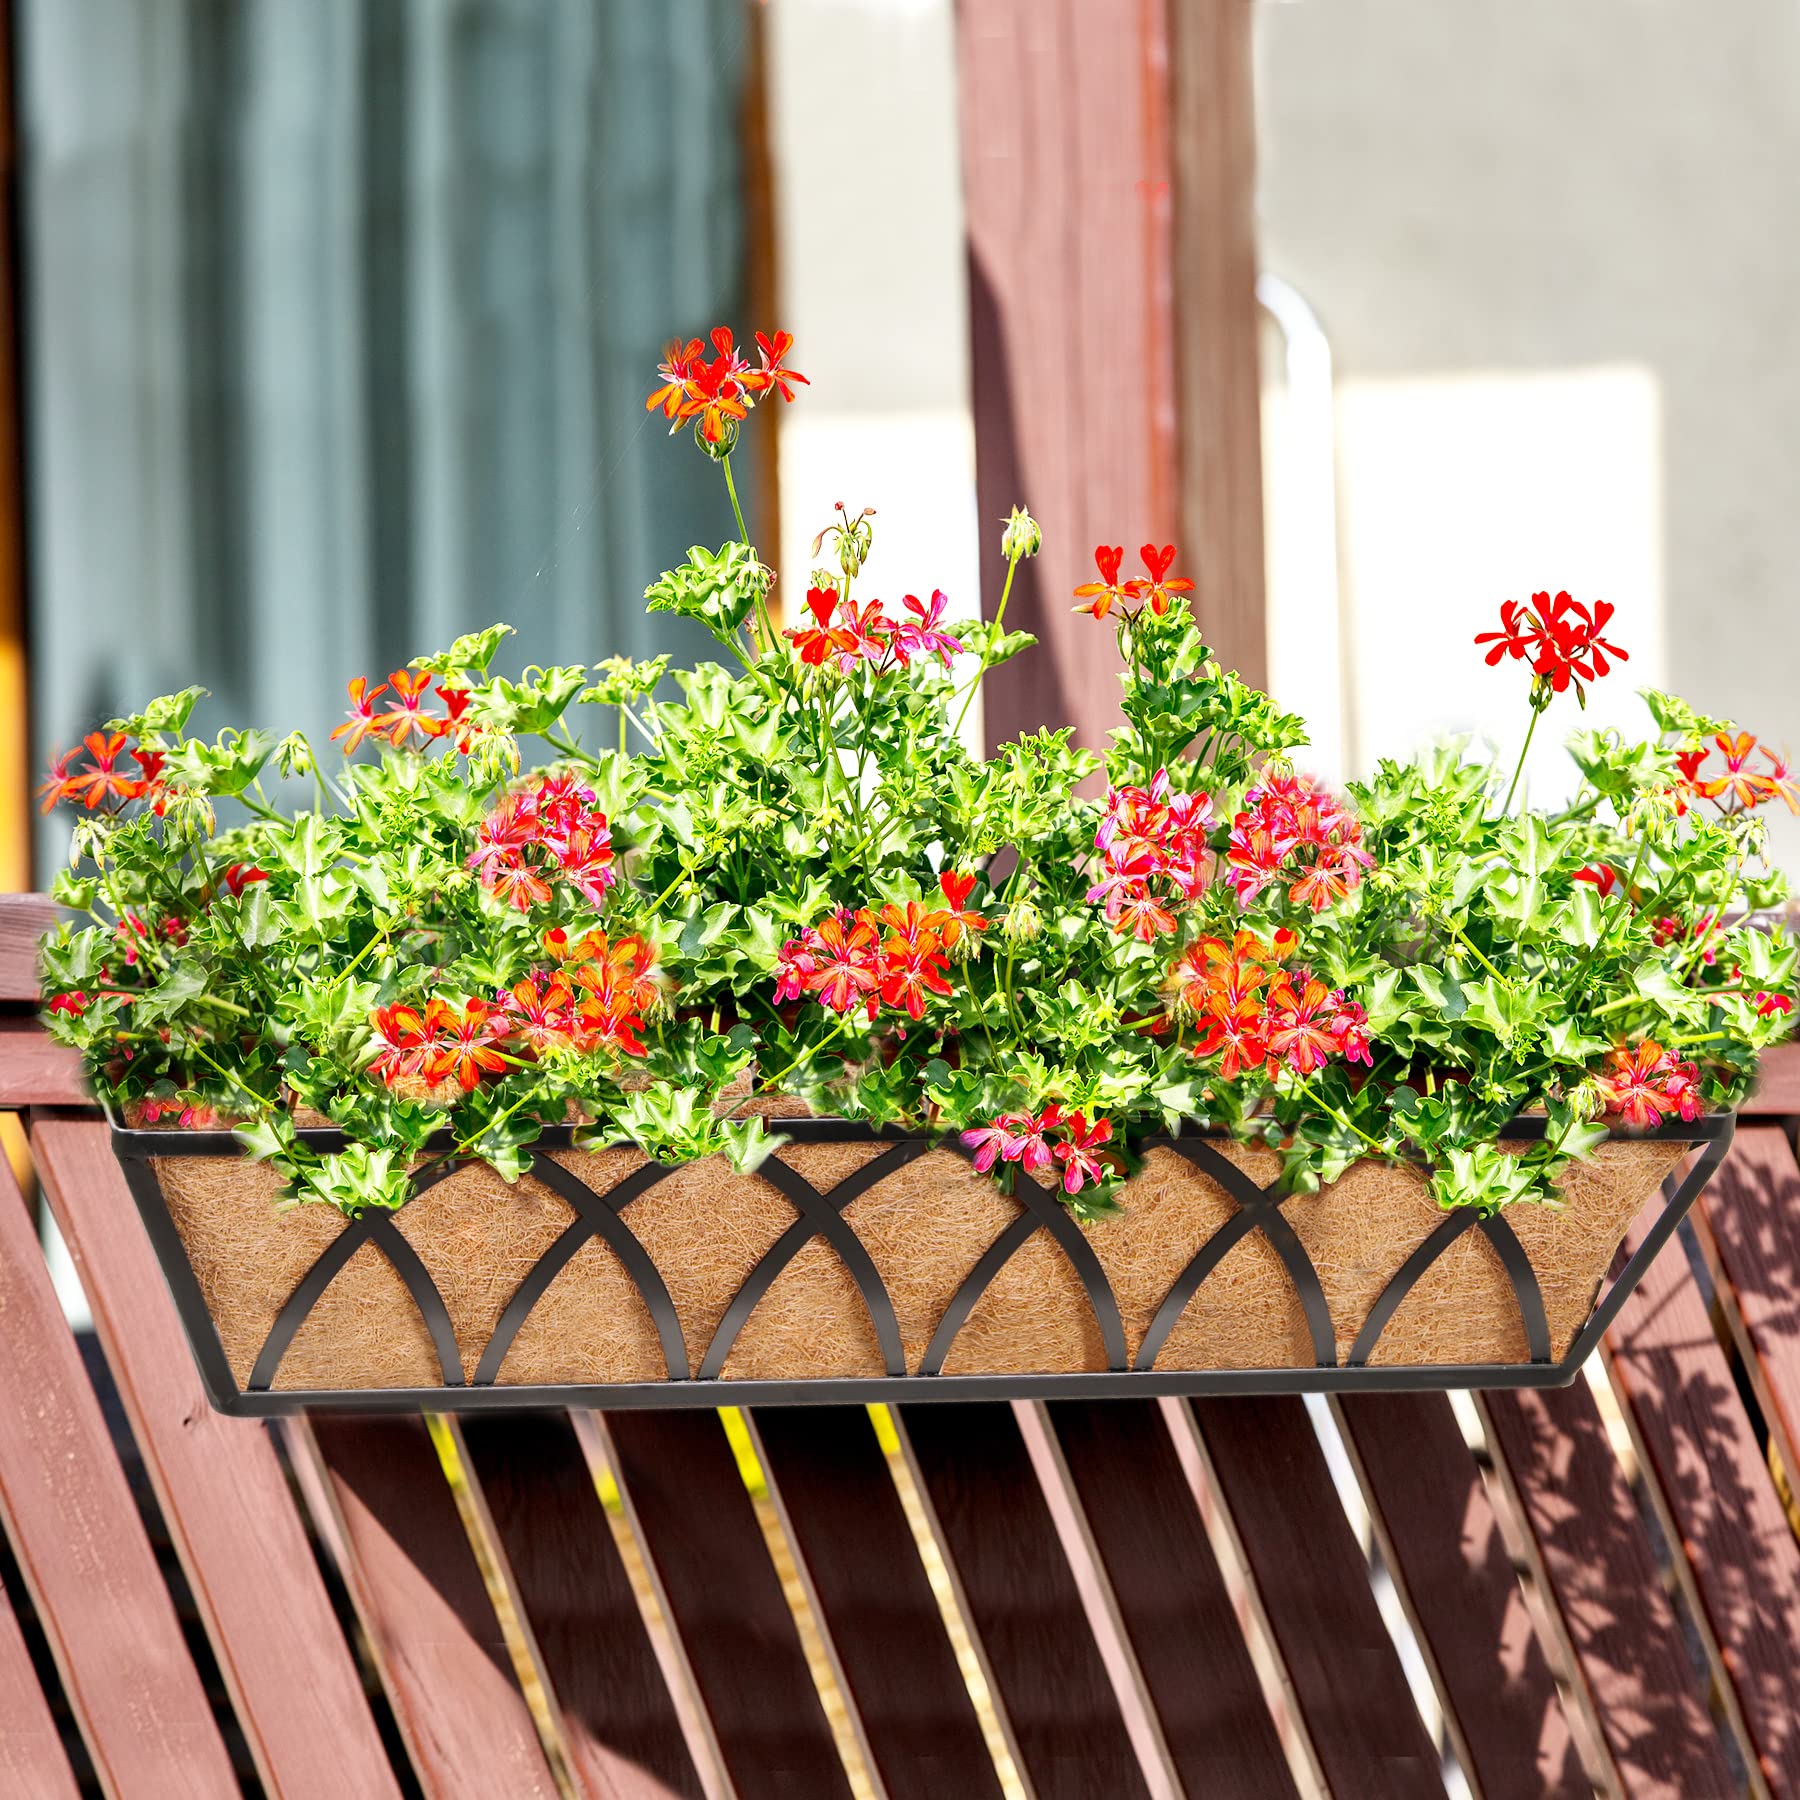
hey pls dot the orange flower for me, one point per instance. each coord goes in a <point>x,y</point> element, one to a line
<point>361,722</point>
<point>1157,590</point>
<point>407,715</point>
<point>1098,598</point>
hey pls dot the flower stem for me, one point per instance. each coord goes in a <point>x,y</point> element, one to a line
<point>981,673</point>
<point>765,625</point>
<point>1524,750</point>
<point>808,1054</point>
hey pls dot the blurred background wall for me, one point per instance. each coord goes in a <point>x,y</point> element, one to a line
<point>338,317</point>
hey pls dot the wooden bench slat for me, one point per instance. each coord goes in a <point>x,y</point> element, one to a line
<point>1022,1601</point>
<point>1172,1598</point>
<point>702,1534</point>
<point>1778,1087</point>
<point>1444,1548</point>
<point>24,918</point>
<point>1602,1575</point>
<point>223,1496</point>
<point>622,1728</point>
<point>32,1761</point>
<point>852,1531</point>
<point>1314,1583</point>
<point>82,1549</point>
<point>379,1493</point>
<point>1700,1450</point>
<point>35,1071</point>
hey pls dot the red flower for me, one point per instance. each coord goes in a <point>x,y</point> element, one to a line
<point>1560,637</point>
<point>1099,597</point>
<point>1779,783</point>
<point>1768,1005</point>
<point>101,783</point>
<point>1746,786</point>
<point>994,1143</point>
<point>1296,834</point>
<point>716,393</point>
<point>1156,590</point>
<point>677,370</point>
<point>541,1017</point>
<point>1302,1021</point>
<point>465,1043</point>
<point>863,633</point>
<point>920,635</point>
<point>74,1005</point>
<point>407,715</point>
<point>1078,1153</point>
<point>771,375</point>
<point>794,964</point>
<point>1602,875</point>
<point>1516,637</point>
<point>1643,1086</point>
<point>405,1043</point>
<point>361,721</point>
<point>848,971</point>
<point>240,875</point>
<point>956,889</point>
<point>909,973</point>
<point>815,645</point>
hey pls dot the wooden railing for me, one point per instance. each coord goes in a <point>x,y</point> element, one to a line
<point>1097,1599</point>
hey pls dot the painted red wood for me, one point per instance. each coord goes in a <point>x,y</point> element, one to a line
<point>1022,1601</point>
<point>622,1729</point>
<point>703,1536</point>
<point>847,1519</point>
<point>1310,1572</point>
<point>1604,1581</point>
<point>24,918</point>
<point>34,1071</point>
<point>223,1495</point>
<point>1444,1549</point>
<point>81,1548</point>
<point>1172,1598</point>
<point>392,1521</point>
<point>1067,203</point>
<point>1704,1456</point>
<point>1778,1087</point>
<point>32,1761</point>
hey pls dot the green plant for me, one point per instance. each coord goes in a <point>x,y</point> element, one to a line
<point>793,870</point>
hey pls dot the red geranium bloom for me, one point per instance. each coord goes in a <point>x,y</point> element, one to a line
<point>677,370</point>
<point>361,722</point>
<point>101,782</point>
<point>994,1143</point>
<point>464,1043</point>
<point>407,714</point>
<point>909,973</point>
<point>1602,875</point>
<point>848,971</point>
<point>956,889</point>
<point>822,641</point>
<point>1516,636</point>
<point>716,392</point>
<point>1645,1085</point>
<point>863,634</point>
<point>1746,786</point>
<point>771,375</point>
<point>405,1042</point>
<point>921,635</point>
<point>1157,590</point>
<point>74,1005</point>
<point>1099,597</point>
<point>1768,1005</point>
<point>541,1017</point>
<point>1560,637</point>
<point>56,785</point>
<point>1301,1015</point>
<point>1779,783</point>
<point>240,875</point>
<point>1079,1153</point>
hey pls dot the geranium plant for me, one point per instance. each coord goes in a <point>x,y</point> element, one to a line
<point>790,878</point>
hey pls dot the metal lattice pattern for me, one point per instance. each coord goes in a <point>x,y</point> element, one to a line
<point>819,1214</point>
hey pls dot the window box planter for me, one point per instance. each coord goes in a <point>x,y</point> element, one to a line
<point>857,1265</point>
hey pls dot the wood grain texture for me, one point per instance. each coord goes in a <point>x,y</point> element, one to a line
<point>1602,1576</point>
<point>1309,1569</point>
<point>1067,199</point>
<point>623,1733</point>
<point>702,1534</point>
<point>1022,1601</point>
<point>33,1764</point>
<point>1444,1548</point>
<point>1778,1088</point>
<point>1172,1598</point>
<point>393,1525</point>
<point>82,1550</point>
<point>24,918</point>
<point>34,1071</point>
<point>1218,381</point>
<point>851,1530</point>
<point>223,1495</point>
<point>1699,1448</point>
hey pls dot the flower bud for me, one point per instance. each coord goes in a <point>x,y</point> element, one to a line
<point>1022,923</point>
<point>727,442</point>
<point>822,579</point>
<point>853,545</point>
<point>1022,536</point>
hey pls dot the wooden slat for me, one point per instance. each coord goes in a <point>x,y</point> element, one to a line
<point>1022,1601</point>
<point>34,1071</point>
<point>1215,322</point>
<point>1778,1086</point>
<point>1444,1548</point>
<point>222,1494</point>
<point>1597,1562</point>
<point>1172,1598</point>
<point>702,1534</point>
<point>32,1762</point>
<point>82,1549</point>
<point>1310,1572</point>
<point>24,918</point>
<point>392,1523</point>
<point>1067,203</point>
<point>621,1726</point>
<point>847,1520</point>
<point>1701,1452</point>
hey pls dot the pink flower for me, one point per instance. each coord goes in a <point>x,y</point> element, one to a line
<point>1080,1163</point>
<point>920,635</point>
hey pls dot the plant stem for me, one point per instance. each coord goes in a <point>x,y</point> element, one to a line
<point>809,1053</point>
<point>981,673</point>
<point>765,624</point>
<point>1524,750</point>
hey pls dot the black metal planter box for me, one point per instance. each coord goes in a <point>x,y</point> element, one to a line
<point>859,1265</point>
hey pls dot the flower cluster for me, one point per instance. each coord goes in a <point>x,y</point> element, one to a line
<point>1051,1139</point>
<point>895,957</point>
<point>536,836</point>
<point>1559,637</point>
<point>1155,588</point>
<point>847,634</point>
<point>1740,786</point>
<point>1153,850</point>
<point>1293,834</point>
<point>1254,1015</point>
<point>1643,1086</point>
<point>104,783</point>
<point>717,394</point>
<point>594,1001</point>
<point>405,720</point>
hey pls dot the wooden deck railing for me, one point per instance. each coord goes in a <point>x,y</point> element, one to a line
<point>1108,1599</point>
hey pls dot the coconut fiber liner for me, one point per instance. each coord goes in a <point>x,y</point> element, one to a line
<point>924,1225</point>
